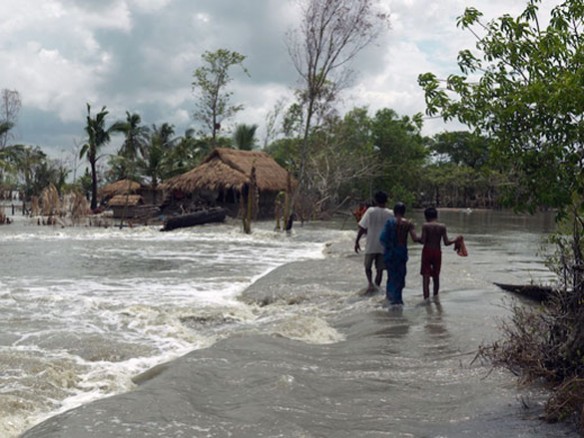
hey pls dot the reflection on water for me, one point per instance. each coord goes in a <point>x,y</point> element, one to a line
<point>435,324</point>
<point>435,328</point>
<point>394,323</point>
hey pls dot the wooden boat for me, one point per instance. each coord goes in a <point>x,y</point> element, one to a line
<point>197,218</point>
<point>531,291</point>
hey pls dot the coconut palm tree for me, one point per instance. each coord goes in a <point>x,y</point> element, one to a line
<point>244,137</point>
<point>136,136</point>
<point>4,164</point>
<point>187,152</point>
<point>5,126</point>
<point>97,137</point>
<point>156,153</point>
<point>24,162</point>
<point>124,164</point>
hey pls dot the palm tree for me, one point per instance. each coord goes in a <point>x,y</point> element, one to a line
<point>5,160</point>
<point>187,152</point>
<point>97,137</point>
<point>5,126</point>
<point>136,136</point>
<point>123,165</point>
<point>244,137</point>
<point>25,161</point>
<point>156,153</point>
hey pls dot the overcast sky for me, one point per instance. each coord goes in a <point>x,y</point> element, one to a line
<point>139,56</point>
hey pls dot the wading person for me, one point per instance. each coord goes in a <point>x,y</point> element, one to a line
<point>394,239</point>
<point>372,224</point>
<point>433,234</point>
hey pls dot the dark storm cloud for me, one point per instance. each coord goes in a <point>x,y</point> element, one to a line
<point>139,56</point>
<point>40,128</point>
<point>151,62</point>
<point>163,48</point>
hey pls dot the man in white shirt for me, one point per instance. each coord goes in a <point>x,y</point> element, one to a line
<point>372,224</point>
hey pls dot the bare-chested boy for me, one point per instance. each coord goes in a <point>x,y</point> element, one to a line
<point>433,233</point>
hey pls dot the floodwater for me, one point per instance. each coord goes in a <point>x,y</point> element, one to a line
<point>260,335</point>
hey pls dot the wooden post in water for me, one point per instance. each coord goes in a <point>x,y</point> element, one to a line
<point>278,208</point>
<point>124,211</point>
<point>250,201</point>
<point>288,195</point>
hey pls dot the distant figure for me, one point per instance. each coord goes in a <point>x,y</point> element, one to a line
<point>433,233</point>
<point>394,239</point>
<point>372,224</point>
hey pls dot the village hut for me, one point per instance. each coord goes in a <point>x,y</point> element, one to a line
<point>224,176</point>
<point>125,205</point>
<point>121,187</point>
<point>126,186</point>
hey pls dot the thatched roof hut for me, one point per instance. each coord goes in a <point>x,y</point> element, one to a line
<point>131,207</point>
<point>225,174</point>
<point>121,187</point>
<point>122,200</point>
<point>225,169</point>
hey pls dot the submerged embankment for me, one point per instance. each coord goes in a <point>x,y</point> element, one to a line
<point>318,359</point>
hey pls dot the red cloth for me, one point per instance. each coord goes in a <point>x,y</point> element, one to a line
<point>460,247</point>
<point>359,212</point>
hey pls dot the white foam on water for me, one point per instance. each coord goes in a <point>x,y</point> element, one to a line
<point>309,329</point>
<point>99,306</point>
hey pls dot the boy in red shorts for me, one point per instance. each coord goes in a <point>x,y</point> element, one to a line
<point>433,233</point>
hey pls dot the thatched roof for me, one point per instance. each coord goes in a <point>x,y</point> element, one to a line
<point>121,200</point>
<point>120,187</point>
<point>227,168</point>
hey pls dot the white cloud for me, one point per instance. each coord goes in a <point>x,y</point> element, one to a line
<point>150,6</point>
<point>139,56</point>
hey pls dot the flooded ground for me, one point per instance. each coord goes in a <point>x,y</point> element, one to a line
<point>262,335</point>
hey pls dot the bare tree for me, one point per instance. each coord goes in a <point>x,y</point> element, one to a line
<point>272,120</point>
<point>330,35</point>
<point>10,105</point>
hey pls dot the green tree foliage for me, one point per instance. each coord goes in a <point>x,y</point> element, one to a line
<point>10,105</point>
<point>123,165</point>
<point>27,159</point>
<point>85,183</point>
<point>187,153</point>
<point>522,88</point>
<point>210,86</point>
<point>342,160</point>
<point>46,173</point>
<point>354,155</point>
<point>5,155</point>
<point>461,148</point>
<point>31,170</point>
<point>135,135</point>
<point>460,172</point>
<point>286,152</point>
<point>5,127</point>
<point>155,163</point>
<point>244,137</point>
<point>400,148</point>
<point>97,137</point>
<point>11,164</point>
